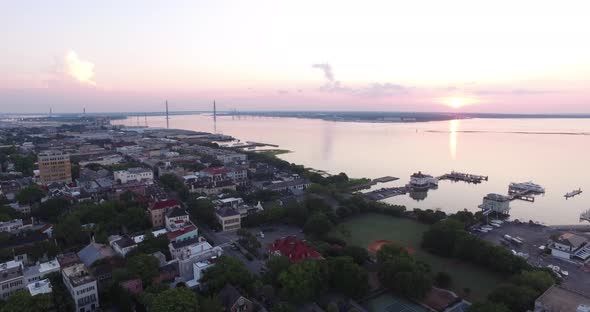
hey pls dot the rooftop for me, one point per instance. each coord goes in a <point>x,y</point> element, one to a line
<point>558,298</point>
<point>10,270</point>
<point>124,242</point>
<point>294,249</point>
<point>40,287</point>
<point>164,204</point>
<point>78,274</point>
<point>227,212</point>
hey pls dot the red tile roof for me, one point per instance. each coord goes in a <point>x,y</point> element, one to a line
<point>294,249</point>
<point>170,203</point>
<point>175,234</point>
<point>215,171</point>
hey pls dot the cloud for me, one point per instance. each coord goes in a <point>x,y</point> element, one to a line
<point>283,92</point>
<point>373,90</point>
<point>382,90</point>
<point>327,69</point>
<point>81,70</point>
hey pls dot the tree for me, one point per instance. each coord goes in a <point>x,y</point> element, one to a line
<point>146,267</point>
<point>228,270</point>
<point>516,298</point>
<point>443,280</point>
<point>210,304</point>
<point>538,280</point>
<point>69,231</point>
<point>332,307</point>
<point>7,213</point>
<point>347,277</point>
<point>30,195</point>
<point>400,272</point>
<point>175,300</point>
<point>22,301</point>
<point>274,267</point>
<point>488,307</point>
<point>390,252</point>
<point>202,210</point>
<point>358,254</point>
<point>303,281</point>
<point>318,224</point>
<point>52,209</point>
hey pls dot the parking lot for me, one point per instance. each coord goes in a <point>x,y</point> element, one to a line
<point>533,236</point>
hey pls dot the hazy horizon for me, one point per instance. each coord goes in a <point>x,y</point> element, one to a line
<point>528,57</point>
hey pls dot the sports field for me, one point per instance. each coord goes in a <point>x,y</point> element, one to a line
<point>366,229</point>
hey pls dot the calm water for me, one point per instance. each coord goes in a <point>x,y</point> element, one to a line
<point>552,152</point>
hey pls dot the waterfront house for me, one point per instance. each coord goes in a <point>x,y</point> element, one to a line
<point>566,245</point>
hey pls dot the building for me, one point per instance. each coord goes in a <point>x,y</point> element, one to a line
<point>54,166</point>
<point>175,218</point>
<point>192,251</point>
<point>122,245</point>
<point>11,278</point>
<point>104,160</point>
<point>559,299</point>
<point>229,218</point>
<point>82,287</point>
<point>40,287</point>
<point>94,252</point>
<point>233,301</point>
<point>422,181</point>
<point>496,203</point>
<point>158,211</point>
<point>567,244</point>
<point>294,249</point>
<point>295,185</point>
<point>133,174</point>
<point>11,226</point>
<point>38,272</point>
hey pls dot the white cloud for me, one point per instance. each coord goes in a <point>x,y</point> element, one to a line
<point>81,70</point>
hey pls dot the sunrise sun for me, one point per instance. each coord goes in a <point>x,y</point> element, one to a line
<point>457,101</point>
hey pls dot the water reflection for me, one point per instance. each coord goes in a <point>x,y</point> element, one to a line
<point>453,128</point>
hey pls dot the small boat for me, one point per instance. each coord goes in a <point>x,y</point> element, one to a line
<point>573,193</point>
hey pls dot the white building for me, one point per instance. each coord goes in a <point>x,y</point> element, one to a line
<point>292,185</point>
<point>566,245</point>
<point>188,253</point>
<point>122,245</point>
<point>11,226</point>
<point>198,270</point>
<point>496,203</point>
<point>11,278</point>
<point>37,272</point>
<point>81,286</point>
<point>40,287</point>
<point>104,160</point>
<point>421,180</point>
<point>133,174</point>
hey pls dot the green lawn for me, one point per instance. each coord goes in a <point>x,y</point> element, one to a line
<point>367,228</point>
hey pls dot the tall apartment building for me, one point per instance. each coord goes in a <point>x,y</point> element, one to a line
<point>11,278</point>
<point>54,166</point>
<point>82,287</point>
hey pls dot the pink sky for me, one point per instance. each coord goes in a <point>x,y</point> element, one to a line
<point>500,56</point>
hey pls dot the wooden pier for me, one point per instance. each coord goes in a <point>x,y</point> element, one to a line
<point>372,182</point>
<point>386,193</point>
<point>464,177</point>
<point>522,195</point>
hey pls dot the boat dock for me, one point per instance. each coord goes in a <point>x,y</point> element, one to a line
<point>573,193</point>
<point>386,193</point>
<point>373,182</point>
<point>464,177</point>
<point>522,195</point>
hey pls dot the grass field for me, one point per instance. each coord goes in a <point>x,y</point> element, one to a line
<point>367,228</point>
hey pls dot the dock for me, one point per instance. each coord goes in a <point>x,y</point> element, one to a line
<point>522,195</point>
<point>573,193</point>
<point>372,182</point>
<point>464,177</point>
<point>386,193</point>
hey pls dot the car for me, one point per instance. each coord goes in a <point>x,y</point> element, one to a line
<point>565,273</point>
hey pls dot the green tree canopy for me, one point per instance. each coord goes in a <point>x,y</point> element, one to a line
<point>30,195</point>
<point>228,270</point>
<point>274,267</point>
<point>318,224</point>
<point>178,299</point>
<point>488,307</point>
<point>144,266</point>
<point>303,281</point>
<point>347,277</point>
<point>22,301</point>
